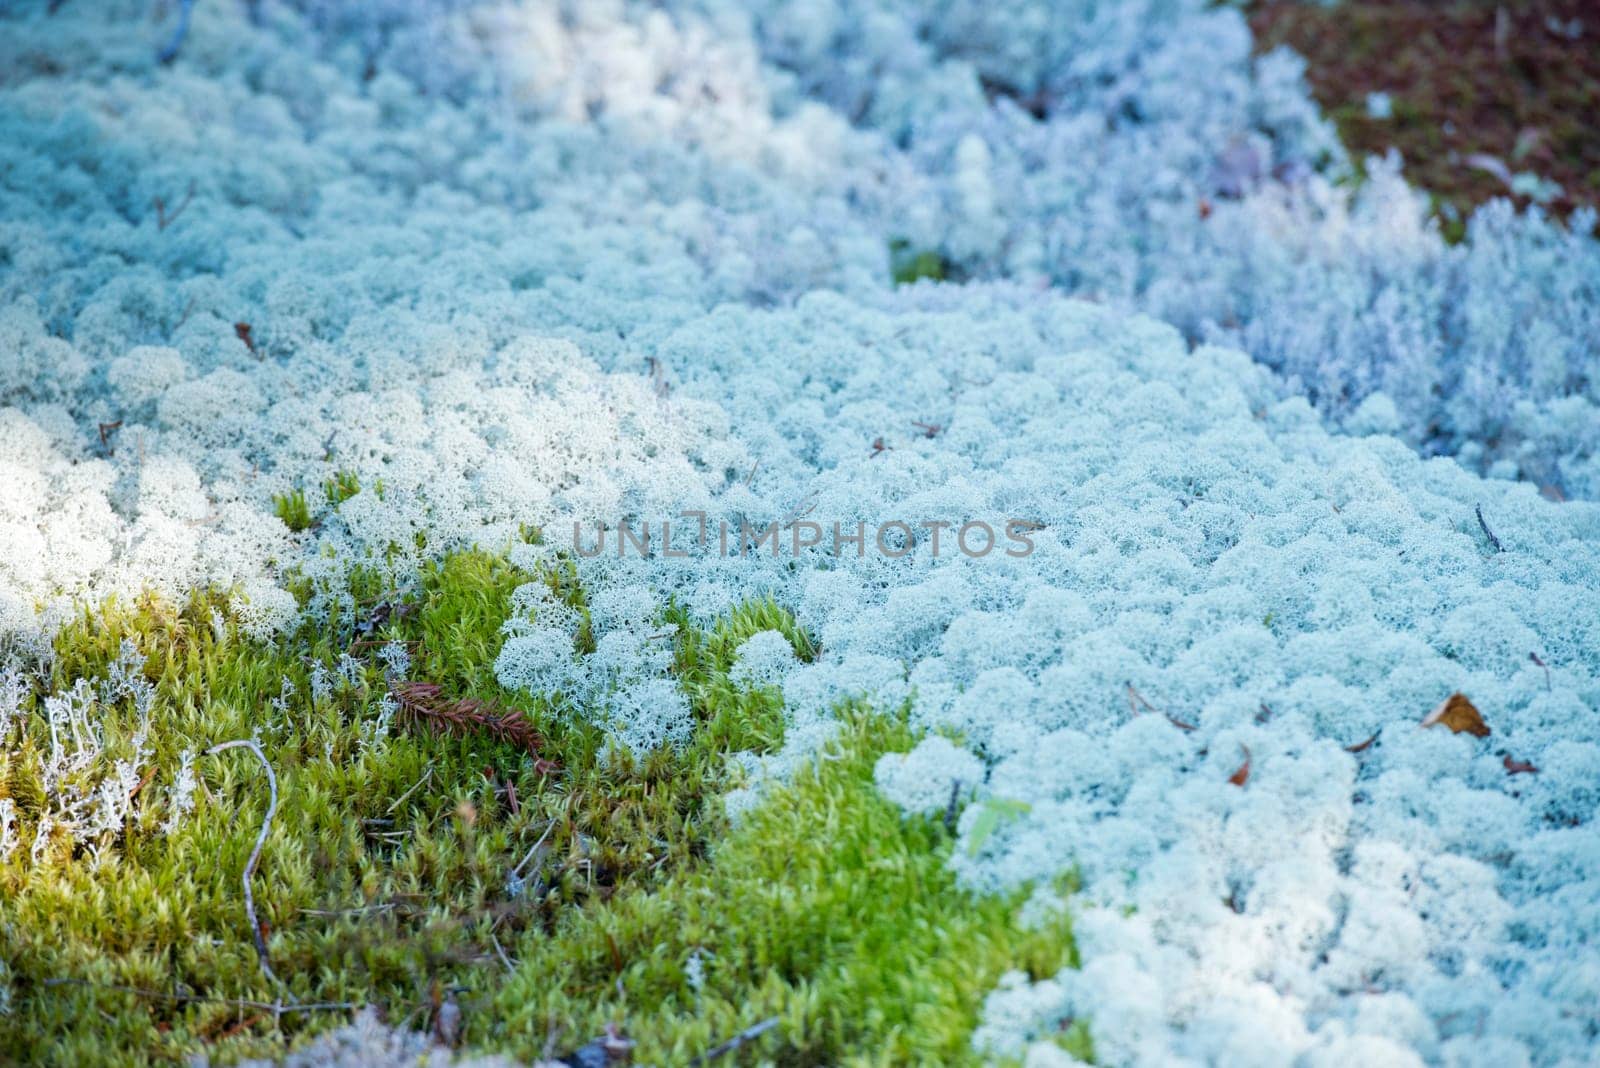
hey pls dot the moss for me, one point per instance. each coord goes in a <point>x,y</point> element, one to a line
<point>908,265</point>
<point>342,486</point>
<point>823,908</point>
<point>293,510</point>
<point>398,868</point>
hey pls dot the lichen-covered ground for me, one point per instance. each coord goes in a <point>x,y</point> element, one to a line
<point>1132,590</point>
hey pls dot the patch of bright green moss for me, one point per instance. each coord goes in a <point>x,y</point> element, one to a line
<point>293,509</point>
<point>908,265</point>
<point>823,908</point>
<point>430,860</point>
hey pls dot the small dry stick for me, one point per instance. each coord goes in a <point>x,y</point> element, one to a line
<point>950,808</point>
<point>188,309</point>
<point>1487,532</point>
<point>361,910</point>
<point>1535,658</point>
<point>255,854</point>
<point>517,871</point>
<point>1136,701</point>
<point>658,376</point>
<point>414,788</point>
<point>163,220</point>
<point>749,1034</point>
<point>169,52</point>
<point>203,999</point>
<point>501,953</point>
<point>142,784</point>
<point>105,435</point>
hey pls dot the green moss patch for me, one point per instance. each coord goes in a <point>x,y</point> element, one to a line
<point>555,884</point>
<point>908,264</point>
<point>824,908</point>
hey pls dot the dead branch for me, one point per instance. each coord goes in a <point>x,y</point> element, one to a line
<point>414,788</point>
<point>362,910</point>
<point>500,952</point>
<point>425,702</point>
<point>163,220</point>
<point>1538,660</point>
<point>1136,702</point>
<point>1487,532</point>
<point>749,1034</point>
<point>169,51</point>
<point>951,808</point>
<point>255,854</point>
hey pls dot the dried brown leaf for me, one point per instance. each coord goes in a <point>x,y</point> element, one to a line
<point>1460,715</point>
<point>1242,776</point>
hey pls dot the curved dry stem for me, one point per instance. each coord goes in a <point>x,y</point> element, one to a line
<point>255,854</point>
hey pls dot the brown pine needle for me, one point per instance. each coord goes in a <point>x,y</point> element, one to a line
<point>1360,747</point>
<point>1518,767</point>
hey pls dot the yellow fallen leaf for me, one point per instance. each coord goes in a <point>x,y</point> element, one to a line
<point>1459,714</point>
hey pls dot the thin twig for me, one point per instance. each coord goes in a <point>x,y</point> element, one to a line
<point>142,784</point>
<point>255,854</point>
<point>170,51</point>
<point>414,788</point>
<point>517,871</point>
<point>749,1034</point>
<point>360,911</point>
<point>206,999</point>
<point>1487,532</point>
<point>1136,701</point>
<point>501,953</point>
<point>1538,660</point>
<point>188,308</point>
<point>950,807</point>
<point>163,220</point>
